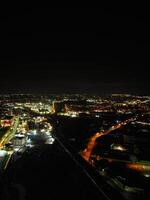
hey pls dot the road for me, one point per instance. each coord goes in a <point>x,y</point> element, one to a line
<point>10,133</point>
<point>8,159</point>
<point>99,184</point>
<point>6,138</point>
<point>86,154</point>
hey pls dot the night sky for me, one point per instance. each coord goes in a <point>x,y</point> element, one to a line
<point>86,50</point>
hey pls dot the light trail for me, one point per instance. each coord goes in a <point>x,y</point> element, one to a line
<point>138,167</point>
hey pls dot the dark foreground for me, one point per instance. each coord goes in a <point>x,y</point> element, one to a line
<point>47,172</point>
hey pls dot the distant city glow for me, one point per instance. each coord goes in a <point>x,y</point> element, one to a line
<point>110,133</point>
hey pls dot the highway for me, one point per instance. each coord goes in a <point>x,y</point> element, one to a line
<point>6,138</point>
<point>10,133</point>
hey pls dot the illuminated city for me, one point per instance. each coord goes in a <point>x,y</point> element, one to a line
<point>108,135</point>
<point>75,103</point>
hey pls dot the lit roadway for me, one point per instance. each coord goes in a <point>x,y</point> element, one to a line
<point>7,137</point>
<point>86,154</point>
<point>10,133</point>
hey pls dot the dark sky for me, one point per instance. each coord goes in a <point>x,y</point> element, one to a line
<point>90,50</point>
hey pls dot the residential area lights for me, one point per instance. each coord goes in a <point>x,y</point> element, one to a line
<point>111,133</point>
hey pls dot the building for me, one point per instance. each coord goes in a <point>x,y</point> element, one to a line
<point>19,140</point>
<point>58,106</point>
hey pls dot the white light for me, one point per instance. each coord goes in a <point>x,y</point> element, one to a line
<point>16,148</point>
<point>147,175</point>
<point>2,153</point>
<point>34,132</point>
<point>20,135</point>
<point>50,141</point>
<point>29,145</point>
<point>29,140</point>
<point>73,115</point>
<point>118,147</point>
